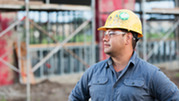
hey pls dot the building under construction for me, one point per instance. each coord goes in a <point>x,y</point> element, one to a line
<point>47,38</point>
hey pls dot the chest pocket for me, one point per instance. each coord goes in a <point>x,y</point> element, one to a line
<point>98,88</point>
<point>130,90</point>
<point>134,83</point>
<point>100,81</point>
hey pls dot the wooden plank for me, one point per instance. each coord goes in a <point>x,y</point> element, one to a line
<point>23,62</point>
<point>54,45</point>
<point>17,2</point>
<point>56,7</point>
<point>164,11</point>
<point>167,11</point>
<point>42,7</point>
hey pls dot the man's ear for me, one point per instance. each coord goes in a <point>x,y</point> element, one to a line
<point>128,38</point>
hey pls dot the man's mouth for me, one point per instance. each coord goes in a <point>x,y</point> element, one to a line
<point>106,45</point>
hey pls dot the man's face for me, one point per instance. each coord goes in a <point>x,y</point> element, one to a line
<point>113,41</point>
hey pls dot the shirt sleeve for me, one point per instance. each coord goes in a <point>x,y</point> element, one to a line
<point>81,90</point>
<point>162,88</point>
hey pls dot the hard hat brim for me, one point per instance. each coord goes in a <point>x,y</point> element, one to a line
<point>104,28</point>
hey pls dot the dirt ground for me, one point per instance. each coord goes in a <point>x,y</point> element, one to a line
<point>173,75</point>
<point>52,91</point>
<point>44,91</point>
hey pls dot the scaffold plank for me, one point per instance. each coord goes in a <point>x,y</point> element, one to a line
<point>169,11</point>
<point>44,7</point>
<point>166,11</point>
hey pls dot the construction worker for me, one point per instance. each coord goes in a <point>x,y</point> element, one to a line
<point>123,76</point>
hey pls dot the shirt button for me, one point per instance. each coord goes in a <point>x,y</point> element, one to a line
<point>133,83</point>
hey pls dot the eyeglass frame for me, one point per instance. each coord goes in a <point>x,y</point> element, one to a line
<point>108,33</point>
<point>115,33</point>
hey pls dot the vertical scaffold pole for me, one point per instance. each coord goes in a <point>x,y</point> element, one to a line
<point>93,32</point>
<point>144,31</point>
<point>27,48</point>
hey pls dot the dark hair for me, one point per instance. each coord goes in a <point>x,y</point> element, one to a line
<point>134,39</point>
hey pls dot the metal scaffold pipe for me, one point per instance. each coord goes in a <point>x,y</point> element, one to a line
<point>144,31</point>
<point>93,51</point>
<point>27,47</point>
<point>11,27</point>
<point>9,65</point>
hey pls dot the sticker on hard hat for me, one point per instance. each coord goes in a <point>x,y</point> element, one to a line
<point>124,16</point>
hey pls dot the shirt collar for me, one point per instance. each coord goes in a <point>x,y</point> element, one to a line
<point>109,62</point>
<point>134,57</point>
<point>132,60</point>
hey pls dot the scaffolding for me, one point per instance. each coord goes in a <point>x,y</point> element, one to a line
<point>56,47</point>
<point>156,51</point>
<point>71,48</point>
<point>169,46</point>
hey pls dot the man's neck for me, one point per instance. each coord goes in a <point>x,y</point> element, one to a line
<point>121,61</point>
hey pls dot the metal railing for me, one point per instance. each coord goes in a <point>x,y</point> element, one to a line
<point>165,52</point>
<point>61,62</point>
<point>56,58</point>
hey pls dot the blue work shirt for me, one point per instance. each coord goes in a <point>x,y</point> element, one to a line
<point>138,81</point>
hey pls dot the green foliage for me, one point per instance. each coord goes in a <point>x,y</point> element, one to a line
<point>78,38</point>
<point>177,75</point>
<point>81,38</point>
<point>2,99</point>
<point>158,35</point>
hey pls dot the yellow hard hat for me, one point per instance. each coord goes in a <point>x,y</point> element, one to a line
<point>123,19</point>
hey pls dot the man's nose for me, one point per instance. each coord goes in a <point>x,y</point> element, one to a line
<point>106,37</point>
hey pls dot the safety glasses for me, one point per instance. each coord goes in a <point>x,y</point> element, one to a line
<point>110,33</point>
